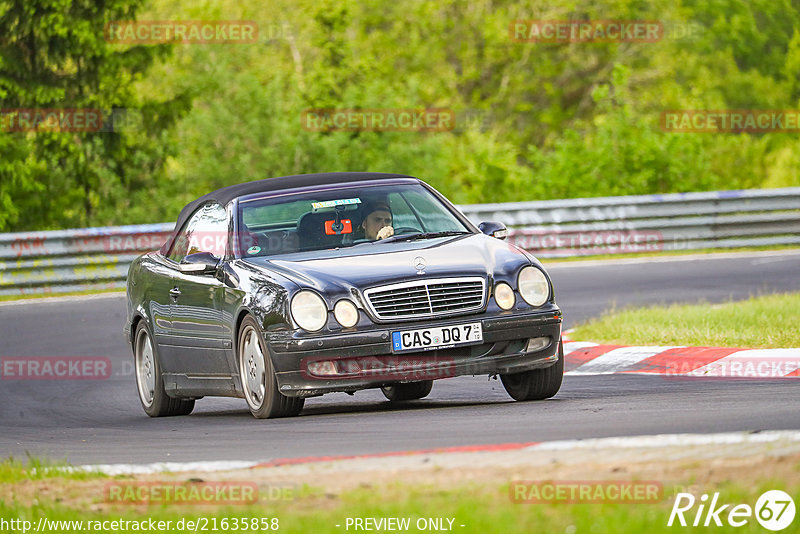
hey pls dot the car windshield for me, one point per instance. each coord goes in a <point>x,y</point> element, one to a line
<point>343,217</point>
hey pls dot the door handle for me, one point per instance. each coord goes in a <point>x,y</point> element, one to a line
<point>175,292</point>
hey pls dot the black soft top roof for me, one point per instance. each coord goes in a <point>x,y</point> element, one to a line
<point>226,194</point>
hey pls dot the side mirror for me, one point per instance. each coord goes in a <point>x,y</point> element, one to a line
<point>199,263</point>
<point>494,229</point>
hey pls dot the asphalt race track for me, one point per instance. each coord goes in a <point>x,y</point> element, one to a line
<point>102,422</point>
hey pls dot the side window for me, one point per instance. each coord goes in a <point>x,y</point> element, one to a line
<point>205,231</point>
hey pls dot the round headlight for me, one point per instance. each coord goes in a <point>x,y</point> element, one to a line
<point>504,296</point>
<point>309,310</point>
<point>346,313</point>
<point>533,286</point>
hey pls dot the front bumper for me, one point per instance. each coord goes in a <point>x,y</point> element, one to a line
<point>505,338</point>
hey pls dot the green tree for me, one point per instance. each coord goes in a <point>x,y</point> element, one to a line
<point>564,119</point>
<point>54,54</point>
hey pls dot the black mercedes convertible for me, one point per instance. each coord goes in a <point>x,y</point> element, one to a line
<point>293,287</point>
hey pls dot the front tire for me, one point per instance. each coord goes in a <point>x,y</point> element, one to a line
<point>538,384</point>
<point>406,392</point>
<point>150,382</point>
<point>259,383</point>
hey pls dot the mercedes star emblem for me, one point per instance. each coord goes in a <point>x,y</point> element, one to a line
<point>419,264</point>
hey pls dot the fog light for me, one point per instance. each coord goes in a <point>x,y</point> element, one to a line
<point>322,368</point>
<point>504,296</point>
<point>537,343</point>
<point>346,313</point>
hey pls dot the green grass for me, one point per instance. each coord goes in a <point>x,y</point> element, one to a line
<point>760,322</point>
<point>13,470</point>
<point>480,509</point>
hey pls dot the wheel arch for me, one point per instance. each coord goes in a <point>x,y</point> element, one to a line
<point>138,316</point>
<point>243,312</point>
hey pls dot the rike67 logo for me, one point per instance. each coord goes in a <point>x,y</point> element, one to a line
<point>774,510</point>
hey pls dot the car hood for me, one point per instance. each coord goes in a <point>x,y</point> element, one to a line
<point>371,265</point>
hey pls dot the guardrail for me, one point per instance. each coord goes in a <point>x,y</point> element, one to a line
<point>98,258</point>
<point>74,260</point>
<point>649,223</point>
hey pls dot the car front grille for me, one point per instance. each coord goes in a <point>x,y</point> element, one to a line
<point>427,298</point>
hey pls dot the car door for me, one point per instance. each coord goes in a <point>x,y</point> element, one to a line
<point>155,275</point>
<point>196,346</point>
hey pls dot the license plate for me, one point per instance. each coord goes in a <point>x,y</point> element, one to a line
<point>439,337</point>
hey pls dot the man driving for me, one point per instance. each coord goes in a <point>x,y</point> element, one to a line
<point>377,222</point>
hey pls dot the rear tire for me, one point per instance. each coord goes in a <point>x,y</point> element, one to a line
<point>406,392</point>
<point>538,384</point>
<point>259,383</point>
<point>150,382</point>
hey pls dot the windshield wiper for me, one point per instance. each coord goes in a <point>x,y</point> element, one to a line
<point>421,235</point>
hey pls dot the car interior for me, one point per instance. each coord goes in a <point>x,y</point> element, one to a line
<point>314,231</point>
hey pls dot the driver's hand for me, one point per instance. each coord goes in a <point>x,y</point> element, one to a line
<point>386,231</point>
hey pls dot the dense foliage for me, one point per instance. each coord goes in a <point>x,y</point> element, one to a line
<point>534,120</point>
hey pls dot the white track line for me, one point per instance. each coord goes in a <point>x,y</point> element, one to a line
<point>595,444</point>
<point>165,467</point>
<point>743,363</point>
<point>669,440</point>
<point>753,363</point>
